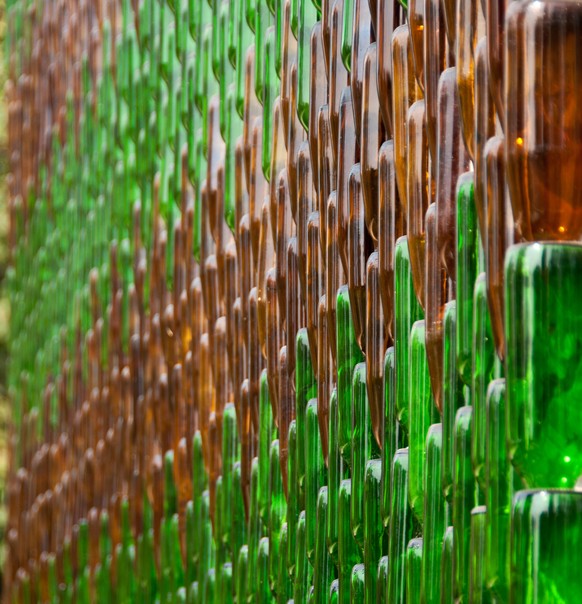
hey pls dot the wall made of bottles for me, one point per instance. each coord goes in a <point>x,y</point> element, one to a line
<point>295,312</point>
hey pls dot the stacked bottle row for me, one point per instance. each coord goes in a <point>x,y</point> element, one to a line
<point>294,301</point>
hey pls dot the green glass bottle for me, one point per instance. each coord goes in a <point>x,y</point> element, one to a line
<point>315,476</point>
<point>545,552</point>
<point>483,365</point>
<point>373,528</point>
<point>271,87</point>
<point>382,581</point>
<point>407,310</point>
<point>447,567</point>
<point>335,476</point>
<point>263,20</point>
<point>283,589</point>
<point>254,534</point>
<point>242,574</point>
<point>477,590</point>
<point>323,567</point>
<point>421,414</point>
<point>467,270</point>
<point>464,497</point>
<point>308,15</point>
<point>346,37</point>
<point>226,584</point>
<point>435,520</point>
<point>499,477</point>
<point>348,550</point>
<point>544,428</point>
<point>358,584</point>
<point>393,435</point>
<point>414,551</point>
<point>334,592</point>
<point>305,390</point>
<point>239,524</point>
<point>229,457</point>
<point>364,447</point>
<point>401,528</point>
<point>453,397</point>
<point>266,431</point>
<point>348,356</point>
<point>277,513</point>
<point>263,590</point>
<point>303,570</point>
<point>292,499</point>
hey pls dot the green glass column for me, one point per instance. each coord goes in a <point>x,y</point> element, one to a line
<point>414,552</point>
<point>421,414</point>
<point>308,15</point>
<point>499,476</point>
<point>348,356</point>
<point>435,518</point>
<point>292,499</point>
<point>464,497</point>
<point>393,435</point>
<point>452,396</point>
<point>401,528</point>
<point>407,310</point>
<point>358,584</point>
<point>348,550</point>
<point>477,590</point>
<point>315,477</point>
<point>277,513</point>
<point>447,567</point>
<point>335,476</point>
<point>364,447</point>
<point>305,390</point>
<point>266,434</point>
<point>483,364</point>
<point>467,270</point>
<point>545,547</point>
<point>542,283</point>
<point>373,528</point>
<point>323,568</point>
<point>303,570</point>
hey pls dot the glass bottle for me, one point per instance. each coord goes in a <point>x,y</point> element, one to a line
<point>417,195</point>
<point>467,269</point>
<point>348,551</point>
<point>500,235</point>
<point>540,282</point>
<point>406,311</point>
<point>315,477</point>
<point>452,161</point>
<point>348,356</point>
<point>414,555</point>
<point>544,546</point>
<point>435,517</point>
<point>421,414</point>
<point>348,154</point>
<point>371,136</point>
<point>401,528</point>
<point>483,370</point>
<point>373,528</point>
<point>499,476</point>
<point>543,129</point>
<point>464,494</point>
<point>404,93</point>
<point>375,341</point>
<point>364,447</point>
<point>391,226</point>
<point>436,292</point>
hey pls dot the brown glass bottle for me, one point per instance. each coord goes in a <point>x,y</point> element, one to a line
<point>547,88</point>
<point>418,197</point>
